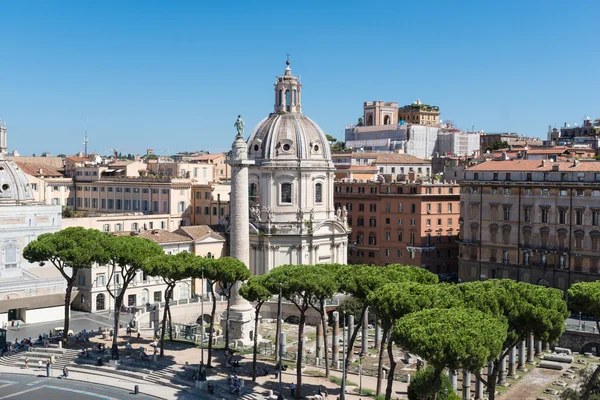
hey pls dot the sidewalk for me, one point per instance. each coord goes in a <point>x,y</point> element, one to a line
<point>155,391</point>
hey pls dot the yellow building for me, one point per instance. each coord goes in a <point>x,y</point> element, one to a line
<point>419,113</point>
<point>210,203</point>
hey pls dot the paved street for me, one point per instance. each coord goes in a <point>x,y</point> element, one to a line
<point>79,321</point>
<point>28,387</point>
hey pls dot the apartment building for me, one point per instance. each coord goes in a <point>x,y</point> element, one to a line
<point>368,166</point>
<point>221,170</point>
<point>419,113</point>
<point>93,296</point>
<point>210,203</point>
<point>402,223</point>
<point>48,184</point>
<point>536,221</point>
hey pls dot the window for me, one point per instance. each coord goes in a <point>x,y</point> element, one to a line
<point>361,207</point>
<point>476,176</point>
<point>580,193</point>
<point>371,254</point>
<point>181,206</point>
<point>399,253</point>
<point>100,280</point>
<point>411,242</point>
<point>387,207</point>
<point>596,217</point>
<point>360,221</point>
<point>413,208</point>
<point>100,302</point>
<point>505,256</point>
<point>319,193</point>
<point>286,193</point>
<point>507,191</point>
<point>506,213</point>
<point>399,207</point>
<point>544,211</point>
<point>428,240</point>
<point>439,238</point>
<point>373,207</point>
<point>399,221</point>
<point>372,222</point>
<point>81,280</point>
<point>578,217</point>
<point>106,228</point>
<point>118,227</point>
<point>387,221</point>
<point>508,176</point>
<point>545,192</point>
<point>372,240</point>
<point>428,208</point>
<point>10,256</point>
<point>449,207</point>
<point>529,176</point>
<point>449,221</point>
<point>527,214</point>
<point>399,236</point>
<point>563,193</point>
<point>131,300</point>
<point>134,226</point>
<point>528,192</point>
<point>562,216</point>
<point>388,236</point>
<point>428,222</point>
<point>564,176</point>
<point>359,238</point>
<point>495,176</point>
<point>439,222</point>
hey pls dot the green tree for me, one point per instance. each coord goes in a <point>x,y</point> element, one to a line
<point>230,273</point>
<point>68,212</point>
<point>360,281</point>
<point>300,284</point>
<point>330,139</point>
<point>61,155</point>
<point>210,274</point>
<point>451,338</point>
<point>527,308</point>
<point>498,144</point>
<point>69,251</point>
<point>361,122</point>
<point>580,391</point>
<point>584,297</point>
<point>171,268</point>
<point>419,387</point>
<point>395,300</point>
<point>255,291</point>
<point>129,254</point>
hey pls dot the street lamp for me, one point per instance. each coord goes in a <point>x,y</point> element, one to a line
<point>579,320</point>
<point>280,397</point>
<point>200,376</point>
<point>343,389</point>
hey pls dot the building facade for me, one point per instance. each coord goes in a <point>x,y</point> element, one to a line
<point>535,221</point>
<point>210,203</point>
<point>380,113</point>
<point>419,113</point>
<point>28,292</point>
<point>399,223</point>
<point>293,220</point>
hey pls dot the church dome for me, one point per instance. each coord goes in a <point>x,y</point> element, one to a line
<point>288,137</point>
<point>14,187</point>
<point>287,134</point>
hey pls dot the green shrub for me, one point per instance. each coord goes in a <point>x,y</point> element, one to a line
<point>424,384</point>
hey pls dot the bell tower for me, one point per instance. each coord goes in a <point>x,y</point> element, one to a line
<point>288,92</point>
<point>3,146</point>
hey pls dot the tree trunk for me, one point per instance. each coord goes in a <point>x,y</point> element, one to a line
<point>70,284</point>
<point>299,356</point>
<point>170,320</point>
<point>258,306</point>
<point>390,378</point>
<point>212,325</point>
<point>227,323</point>
<point>597,326</point>
<point>164,324</point>
<point>357,327</point>
<point>277,331</point>
<point>590,385</point>
<point>325,350</point>
<point>117,311</point>
<point>493,380</point>
<point>380,363</point>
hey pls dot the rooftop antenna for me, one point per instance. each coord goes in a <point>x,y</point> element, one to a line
<point>85,140</point>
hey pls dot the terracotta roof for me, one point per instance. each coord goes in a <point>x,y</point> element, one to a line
<point>162,236</point>
<point>78,159</point>
<point>207,157</point>
<point>384,158</point>
<point>536,165</point>
<point>196,232</point>
<point>356,168</point>
<point>37,170</point>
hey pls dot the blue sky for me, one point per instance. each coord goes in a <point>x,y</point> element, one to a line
<point>174,75</point>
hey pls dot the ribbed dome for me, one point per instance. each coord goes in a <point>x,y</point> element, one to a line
<point>14,187</point>
<point>288,136</point>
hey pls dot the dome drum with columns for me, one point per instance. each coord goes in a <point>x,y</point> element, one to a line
<point>292,214</point>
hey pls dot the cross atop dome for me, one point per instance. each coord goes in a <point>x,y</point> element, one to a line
<point>287,91</point>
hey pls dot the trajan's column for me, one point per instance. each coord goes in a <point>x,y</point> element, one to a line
<point>241,315</point>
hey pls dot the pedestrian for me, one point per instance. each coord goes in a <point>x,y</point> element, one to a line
<point>583,325</point>
<point>12,324</point>
<point>293,390</point>
<point>40,364</point>
<point>18,324</point>
<point>65,372</point>
<point>26,362</point>
<point>48,368</point>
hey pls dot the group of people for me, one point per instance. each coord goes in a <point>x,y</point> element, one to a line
<point>82,337</point>
<point>13,325</point>
<point>235,384</point>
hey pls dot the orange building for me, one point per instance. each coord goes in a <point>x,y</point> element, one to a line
<point>402,223</point>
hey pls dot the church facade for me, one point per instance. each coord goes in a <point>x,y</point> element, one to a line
<point>290,188</point>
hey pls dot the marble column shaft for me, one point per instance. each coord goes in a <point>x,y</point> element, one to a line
<point>502,371</point>
<point>377,333</point>
<point>454,379</point>
<point>365,333</point>
<point>479,387</point>
<point>522,355</point>
<point>512,362</point>
<point>466,385</point>
<point>530,349</point>
<point>538,348</point>
<point>335,337</point>
<point>319,342</point>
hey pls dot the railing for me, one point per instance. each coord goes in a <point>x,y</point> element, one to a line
<point>590,327</point>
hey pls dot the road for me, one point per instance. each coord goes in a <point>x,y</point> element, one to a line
<point>79,321</point>
<point>22,387</point>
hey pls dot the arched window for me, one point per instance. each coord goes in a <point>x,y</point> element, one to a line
<point>209,255</point>
<point>286,192</point>
<point>319,193</point>
<point>280,99</point>
<point>370,120</point>
<point>295,97</point>
<point>287,100</point>
<point>386,120</point>
<point>252,194</point>
<point>100,299</point>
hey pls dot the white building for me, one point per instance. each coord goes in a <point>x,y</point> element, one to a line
<point>28,292</point>
<point>293,220</point>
